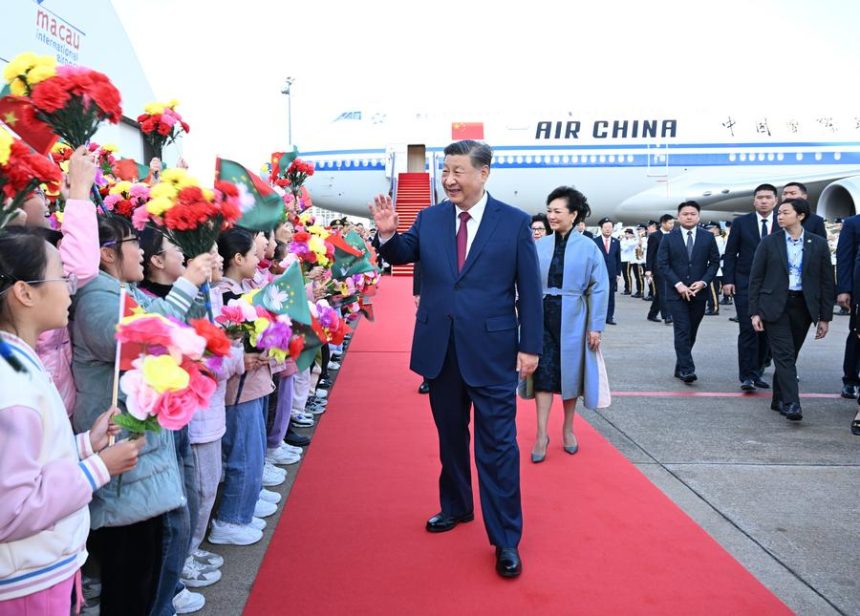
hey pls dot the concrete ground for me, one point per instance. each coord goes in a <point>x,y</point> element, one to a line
<point>782,497</point>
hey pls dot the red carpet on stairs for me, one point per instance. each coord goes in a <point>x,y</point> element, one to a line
<point>598,537</point>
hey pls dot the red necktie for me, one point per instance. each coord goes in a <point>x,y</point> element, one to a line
<point>462,236</point>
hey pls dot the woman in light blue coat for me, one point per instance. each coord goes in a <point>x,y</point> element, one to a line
<point>575,289</point>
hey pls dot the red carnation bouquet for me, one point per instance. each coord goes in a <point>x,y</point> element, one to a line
<point>21,171</point>
<point>296,174</point>
<point>74,101</point>
<point>161,125</point>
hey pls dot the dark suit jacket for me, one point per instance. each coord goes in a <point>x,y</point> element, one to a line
<point>653,246</point>
<point>740,249</point>
<point>769,278</point>
<point>846,254</point>
<point>588,233</point>
<point>612,258</point>
<point>815,224</point>
<point>477,304</point>
<point>677,267</point>
<point>416,278</point>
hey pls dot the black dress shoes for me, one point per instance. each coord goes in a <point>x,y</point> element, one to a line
<point>776,405</point>
<point>711,313</point>
<point>735,319</point>
<point>655,319</point>
<point>424,388</point>
<point>849,391</point>
<point>687,377</point>
<point>442,522</point>
<point>792,411</point>
<point>668,321</point>
<point>636,296</point>
<point>748,385</point>
<point>761,384</point>
<point>611,322</point>
<point>508,562</point>
<point>648,298</point>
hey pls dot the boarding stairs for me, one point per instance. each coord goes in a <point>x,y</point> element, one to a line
<point>413,195</point>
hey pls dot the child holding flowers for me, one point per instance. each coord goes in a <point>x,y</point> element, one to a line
<point>131,523</point>
<point>48,475</point>
<point>243,444</point>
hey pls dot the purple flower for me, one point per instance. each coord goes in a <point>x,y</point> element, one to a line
<point>276,336</point>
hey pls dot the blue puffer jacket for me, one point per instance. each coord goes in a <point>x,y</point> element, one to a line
<point>154,486</point>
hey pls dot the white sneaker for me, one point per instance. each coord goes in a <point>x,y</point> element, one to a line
<point>258,523</point>
<point>302,420</point>
<point>333,365</point>
<point>277,455</point>
<point>195,575</point>
<point>207,559</point>
<point>271,476</point>
<point>321,393</point>
<point>292,448</point>
<point>269,496</point>
<point>263,509</point>
<point>233,534</point>
<point>188,602</point>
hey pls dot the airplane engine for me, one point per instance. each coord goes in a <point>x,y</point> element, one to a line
<point>840,199</point>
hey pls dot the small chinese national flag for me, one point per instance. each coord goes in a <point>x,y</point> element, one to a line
<point>18,114</point>
<point>467,130</point>
<point>129,350</point>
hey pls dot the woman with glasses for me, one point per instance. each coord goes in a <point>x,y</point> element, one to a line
<point>47,475</point>
<point>540,226</point>
<point>135,522</point>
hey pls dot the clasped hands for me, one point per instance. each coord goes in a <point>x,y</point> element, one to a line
<point>690,292</point>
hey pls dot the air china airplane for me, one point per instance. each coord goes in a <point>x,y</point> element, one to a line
<point>631,167</point>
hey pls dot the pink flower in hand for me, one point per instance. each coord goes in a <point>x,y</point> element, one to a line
<point>140,398</point>
<point>174,410</point>
<point>185,341</point>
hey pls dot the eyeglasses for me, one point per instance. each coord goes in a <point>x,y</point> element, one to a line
<point>111,243</point>
<point>71,283</point>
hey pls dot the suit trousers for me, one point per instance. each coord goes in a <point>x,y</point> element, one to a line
<point>626,272</point>
<point>752,345</point>
<point>686,317</point>
<point>658,304</point>
<point>850,365</point>
<point>497,455</point>
<point>613,288</point>
<point>786,335</point>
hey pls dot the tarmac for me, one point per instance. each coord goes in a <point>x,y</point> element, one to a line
<point>782,497</point>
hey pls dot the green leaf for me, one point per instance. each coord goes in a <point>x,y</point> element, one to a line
<point>136,426</point>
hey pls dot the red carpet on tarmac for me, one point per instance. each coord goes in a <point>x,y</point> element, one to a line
<point>598,537</point>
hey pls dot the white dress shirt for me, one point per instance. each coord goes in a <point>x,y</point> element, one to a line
<point>476,213</point>
<point>769,219</point>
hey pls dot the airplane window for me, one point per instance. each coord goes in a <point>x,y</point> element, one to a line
<point>519,160</point>
<point>780,156</point>
<point>799,156</point>
<point>770,156</point>
<point>818,156</point>
<point>837,155</point>
<point>528,160</point>
<point>602,158</point>
<point>593,158</point>
<point>348,163</point>
<point>761,156</point>
<point>732,157</point>
<point>556,159</point>
<point>630,158</point>
<point>612,158</point>
<point>566,159</point>
<point>743,157</point>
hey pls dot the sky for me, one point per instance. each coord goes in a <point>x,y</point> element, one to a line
<point>226,61</point>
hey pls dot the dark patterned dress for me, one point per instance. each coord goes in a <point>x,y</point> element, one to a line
<point>547,377</point>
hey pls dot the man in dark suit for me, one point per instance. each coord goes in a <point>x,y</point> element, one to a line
<point>424,387</point>
<point>747,231</point>
<point>610,247</point>
<point>479,325</point>
<point>580,227</point>
<point>846,257</point>
<point>813,223</point>
<point>791,286</point>
<point>652,272</point>
<point>688,258</point>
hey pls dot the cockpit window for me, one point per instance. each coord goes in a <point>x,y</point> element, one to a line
<point>348,115</point>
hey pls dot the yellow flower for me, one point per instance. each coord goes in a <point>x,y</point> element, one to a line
<point>317,244</point>
<point>29,68</point>
<point>158,206</point>
<point>249,296</point>
<point>178,177</point>
<point>60,147</point>
<point>318,230</point>
<point>209,194</point>
<point>6,141</point>
<point>173,103</point>
<point>164,190</point>
<point>19,65</point>
<point>120,187</point>
<point>18,88</point>
<point>59,216</point>
<point>260,325</point>
<point>154,108</point>
<point>110,147</point>
<point>40,73</point>
<point>162,373</point>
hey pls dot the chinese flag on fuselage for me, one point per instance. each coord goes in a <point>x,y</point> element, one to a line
<point>467,130</point>
<point>17,113</point>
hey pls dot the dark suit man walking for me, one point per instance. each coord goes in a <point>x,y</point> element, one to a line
<point>846,257</point>
<point>812,223</point>
<point>747,231</point>
<point>610,247</point>
<point>478,325</point>
<point>688,258</point>
<point>791,287</point>
<point>652,272</point>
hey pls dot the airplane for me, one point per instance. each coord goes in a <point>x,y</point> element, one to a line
<point>631,167</point>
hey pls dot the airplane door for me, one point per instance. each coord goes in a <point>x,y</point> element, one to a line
<point>416,157</point>
<point>658,160</point>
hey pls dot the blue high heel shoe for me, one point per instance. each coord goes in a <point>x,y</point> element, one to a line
<point>572,449</point>
<point>537,458</point>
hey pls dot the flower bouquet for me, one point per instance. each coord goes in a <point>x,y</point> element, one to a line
<point>161,125</point>
<point>170,379</point>
<point>260,330</point>
<point>311,247</point>
<point>126,199</point>
<point>330,324</point>
<point>21,171</point>
<point>72,100</point>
